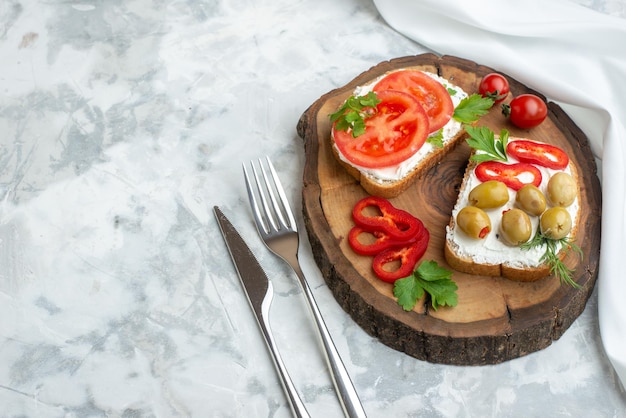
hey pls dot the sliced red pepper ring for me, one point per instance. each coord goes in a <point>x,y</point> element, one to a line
<point>407,256</point>
<point>546,155</point>
<point>514,175</point>
<point>382,241</point>
<point>397,239</point>
<point>397,223</point>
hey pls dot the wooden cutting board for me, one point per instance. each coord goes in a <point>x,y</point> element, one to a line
<point>496,319</point>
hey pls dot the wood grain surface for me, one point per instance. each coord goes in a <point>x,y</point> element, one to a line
<point>496,319</point>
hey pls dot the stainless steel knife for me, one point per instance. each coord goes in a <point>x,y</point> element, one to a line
<point>259,291</point>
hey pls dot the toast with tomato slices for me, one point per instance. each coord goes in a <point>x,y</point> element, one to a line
<point>472,247</point>
<point>387,188</point>
<point>408,132</point>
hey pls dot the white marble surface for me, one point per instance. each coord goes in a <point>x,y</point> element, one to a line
<point>122,123</point>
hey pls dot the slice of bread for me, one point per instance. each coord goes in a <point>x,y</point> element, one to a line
<point>389,182</point>
<point>391,188</point>
<point>491,256</point>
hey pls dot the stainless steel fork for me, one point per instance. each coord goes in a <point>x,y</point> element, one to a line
<point>278,229</point>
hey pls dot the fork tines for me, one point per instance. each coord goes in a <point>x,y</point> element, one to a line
<point>273,213</point>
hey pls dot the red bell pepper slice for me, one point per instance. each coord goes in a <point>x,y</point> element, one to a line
<point>408,257</point>
<point>546,155</point>
<point>397,223</point>
<point>381,242</point>
<point>514,175</point>
<point>400,238</point>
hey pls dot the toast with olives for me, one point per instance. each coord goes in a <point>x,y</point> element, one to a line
<point>513,242</point>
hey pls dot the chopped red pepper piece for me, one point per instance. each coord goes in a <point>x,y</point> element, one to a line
<point>408,257</point>
<point>397,223</point>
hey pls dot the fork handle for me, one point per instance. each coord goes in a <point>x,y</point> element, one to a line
<point>348,396</point>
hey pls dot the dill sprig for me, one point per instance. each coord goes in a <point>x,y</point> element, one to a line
<point>551,256</point>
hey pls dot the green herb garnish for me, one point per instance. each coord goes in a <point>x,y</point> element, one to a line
<point>471,108</point>
<point>352,114</point>
<point>483,139</point>
<point>551,257</point>
<point>436,139</point>
<point>431,278</point>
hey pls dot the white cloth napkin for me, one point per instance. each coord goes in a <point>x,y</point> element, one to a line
<point>577,58</point>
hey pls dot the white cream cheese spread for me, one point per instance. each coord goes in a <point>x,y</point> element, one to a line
<point>399,171</point>
<point>491,249</point>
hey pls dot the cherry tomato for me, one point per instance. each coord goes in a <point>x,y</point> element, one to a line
<point>514,175</point>
<point>494,86</point>
<point>526,111</point>
<point>431,94</point>
<point>539,153</point>
<point>396,131</point>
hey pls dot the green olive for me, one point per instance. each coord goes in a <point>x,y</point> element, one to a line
<point>562,189</point>
<point>555,223</point>
<point>515,227</point>
<point>530,199</point>
<point>474,222</point>
<point>488,195</point>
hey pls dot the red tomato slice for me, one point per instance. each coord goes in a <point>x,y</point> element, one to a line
<point>431,94</point>
<point>395,132</point>
<point>514,175</point>
<point>542,154</point>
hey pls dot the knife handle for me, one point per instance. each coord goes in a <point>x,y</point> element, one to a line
<point>297,406</point>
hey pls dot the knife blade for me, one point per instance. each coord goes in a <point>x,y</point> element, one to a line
<point>259,292</point>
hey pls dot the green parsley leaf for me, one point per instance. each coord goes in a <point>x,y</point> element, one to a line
<point>408,291</point>
<point>483,139</point>
<point>472,108</point>
<point>431,271</point>
<point>442,293</point>
<point>358,128</point>
<point>436,139</point>
<point>354,111</point>
<point>428,278</point>
<point>551,256</point>
<point>451,91</point>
